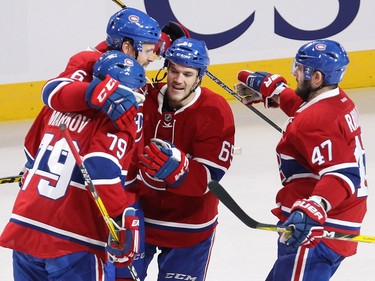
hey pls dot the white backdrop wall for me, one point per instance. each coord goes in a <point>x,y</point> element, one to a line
<point>38,36</point>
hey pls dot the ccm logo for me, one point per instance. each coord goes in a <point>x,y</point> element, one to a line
<point>179,276</point>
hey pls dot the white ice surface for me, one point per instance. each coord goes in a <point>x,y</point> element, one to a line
<point>240,253</point>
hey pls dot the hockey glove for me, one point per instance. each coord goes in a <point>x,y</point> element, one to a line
<point>260,86</point>
<point>307,218</point>
<point>169,33</point>
<point>123,252</point>
<point>117,102</point>
<point>162,160</point>
<point>23,174</point>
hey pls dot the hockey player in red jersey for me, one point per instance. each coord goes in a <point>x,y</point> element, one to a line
<point>189,132</point>
<point>321,161</point>
<point>56,230</point>
<point>130,31</point>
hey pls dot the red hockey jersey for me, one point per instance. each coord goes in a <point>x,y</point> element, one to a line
<point>54,214</point>
<point>204,131</point>
<point>321,153</point>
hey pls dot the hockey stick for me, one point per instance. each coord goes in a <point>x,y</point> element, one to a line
<point>10,179</point>
<point>218,190</point>
<point>234,94</point>
<point>94,193</point>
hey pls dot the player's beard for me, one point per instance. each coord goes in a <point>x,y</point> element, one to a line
<point>304,90</point>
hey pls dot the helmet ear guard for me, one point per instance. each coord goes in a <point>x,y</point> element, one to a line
<point>326,56</point>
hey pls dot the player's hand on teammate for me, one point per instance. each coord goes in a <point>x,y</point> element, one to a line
<point>254,87</point>
<point>307,218</point>
<point>123,252</point>
<point>162,160</point>
<point>118,103</point>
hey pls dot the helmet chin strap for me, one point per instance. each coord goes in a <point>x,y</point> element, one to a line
<point>157,79</point>
<point>196,86</point>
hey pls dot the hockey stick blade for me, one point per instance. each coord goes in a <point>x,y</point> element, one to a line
<point>219,191</point>
<point>10,179</point>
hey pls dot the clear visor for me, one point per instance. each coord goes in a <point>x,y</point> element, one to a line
<point>157,52</point>
<point>295,65</point>
<point>159,49</point>
<point>299,67</point>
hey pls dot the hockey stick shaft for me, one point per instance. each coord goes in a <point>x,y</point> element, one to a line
<point>234,94</point>
<point>218,190</point>
<point>11,179</point>
<point>94,193</point>
<point>89,182</point>
<point>118,2</point>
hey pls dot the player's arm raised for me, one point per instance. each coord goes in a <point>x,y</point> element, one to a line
<point>264,87</point>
